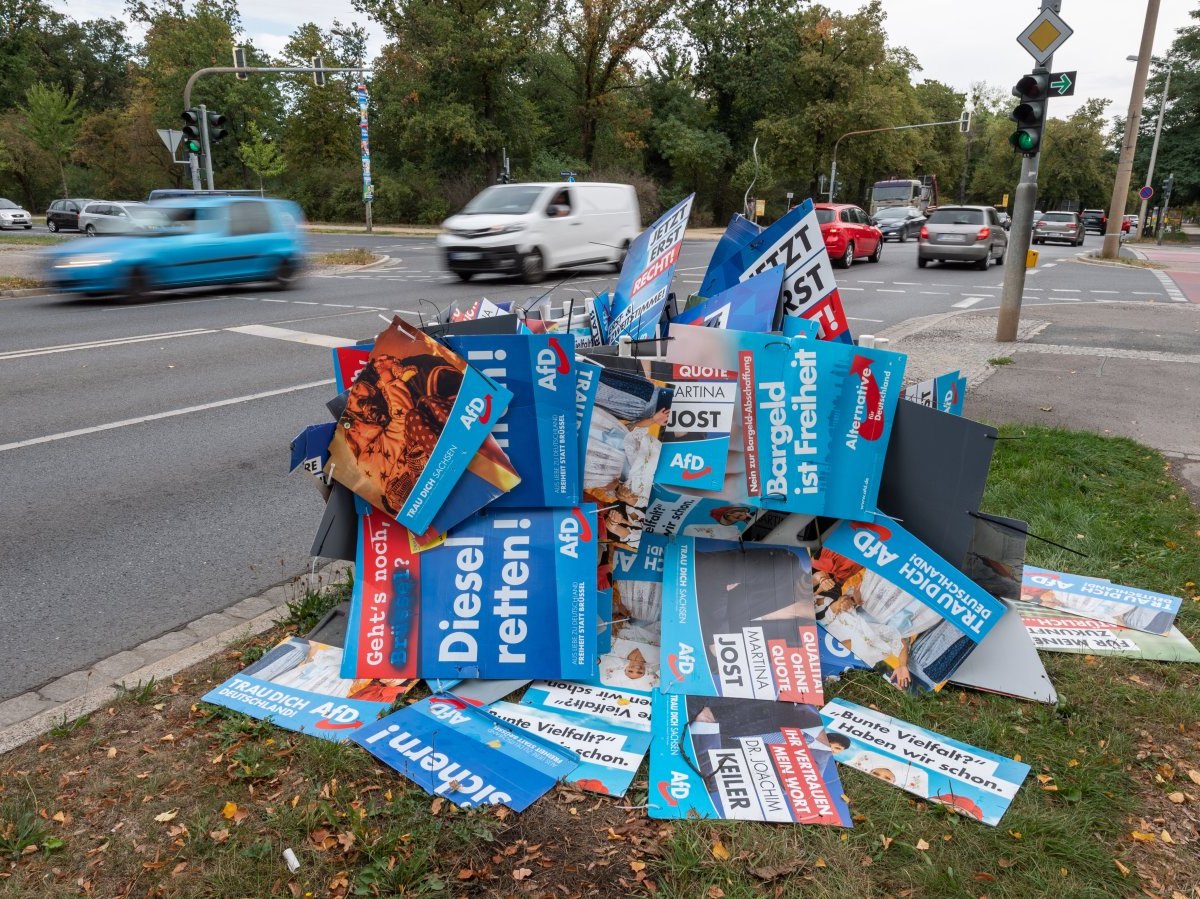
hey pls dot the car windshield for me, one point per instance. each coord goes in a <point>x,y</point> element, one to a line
<point>898,212</point>
<point>8,204</point>
<point>825,216</point>
<point>1059,217</point>
<point>956,217</point>
<point>515,199</point>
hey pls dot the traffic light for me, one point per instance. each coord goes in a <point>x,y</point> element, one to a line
<point>964,121</point>
<point>239,62</point>
<point>319,75</point>
<point>216,127</point>
<point>1030,113</point>
<point>1168,185</point>
<point>191,130</point>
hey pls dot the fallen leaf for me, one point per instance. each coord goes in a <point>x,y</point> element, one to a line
<point>1176,797</point>
<point>219,836</point>
<point>1015,834</point>
<point>887,842</point>
<point>166,816</point>
<point>637,866</point>
<point>1120,867</point>
<point>1073,763</point>
<point>179,869</point>
<point>1044,778</point>
<point>346,840</point>
<point>1194,775</point>
<point>521,873</point>
<point>819,863</point>
<point>922,845</point>
<point>1005,862</point>
<point>770,872</point>
<point>1143,837</point>
<point>62,817</point>
<point>112,752</point>
<point>1166,838</point>
<point>716,893</point>
<point>984,875</point>
<point>719,851</point>
<point>229,810</point>
<point>437,806</point>
<point>466,874</point>
<point>1047,408</point>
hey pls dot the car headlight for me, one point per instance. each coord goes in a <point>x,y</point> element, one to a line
<point>83,262</point>
<point>507,229</point>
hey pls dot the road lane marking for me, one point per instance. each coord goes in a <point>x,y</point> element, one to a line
<point>324,340</point>
<point>968,302</point>
<point>935,293</point>
<point>908,283</point>
<point>876,321</point>
<point>861,281</point>
<point>1104,291</point>
<point>1064,290</point>
<point>101,344</point>
<point>884,290</point>
<point>157,416</point>
<point>840,287</point>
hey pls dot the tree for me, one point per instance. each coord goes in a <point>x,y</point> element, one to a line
<point>52,123</point>
<point>261,156</point>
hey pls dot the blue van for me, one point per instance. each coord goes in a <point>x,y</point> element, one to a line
<point>196,241</point>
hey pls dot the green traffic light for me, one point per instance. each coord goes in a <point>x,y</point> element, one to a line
<point>1023,141</point>
<point>193,146</point>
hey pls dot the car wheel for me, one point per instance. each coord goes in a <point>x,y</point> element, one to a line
<point>878,254</point>
<point>52,226</point>
<point>904,236</point>
<point>90,230</point>
<point>286,274</point>
<point>533,268</point>
<point>137,286</point>
<point>28,227</point>
<point>620,263</point>
<point>921,263</point>
<point>983,263</point>
<point>464,276</point>
<point>1000,258</point>
<point>847,259</point>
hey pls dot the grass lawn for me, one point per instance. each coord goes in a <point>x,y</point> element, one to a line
<point>356,256</point>
<point>31,240</point>
<point>160,795</point>
<point>15,282</point>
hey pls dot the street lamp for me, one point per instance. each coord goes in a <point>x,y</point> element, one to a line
<point>1162,106</point>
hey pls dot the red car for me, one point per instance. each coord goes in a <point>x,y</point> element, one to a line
<point>848,234</point>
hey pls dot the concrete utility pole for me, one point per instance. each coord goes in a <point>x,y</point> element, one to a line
<point>1162,105</point>
<point>1116,208</point>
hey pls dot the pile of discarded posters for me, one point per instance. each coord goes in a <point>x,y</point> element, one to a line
<point>673,528</point>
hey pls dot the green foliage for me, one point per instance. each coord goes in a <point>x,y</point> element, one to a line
<point>52,123</point>
<point>261,156</point>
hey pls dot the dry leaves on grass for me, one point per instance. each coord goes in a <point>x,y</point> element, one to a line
<point>720,851</point>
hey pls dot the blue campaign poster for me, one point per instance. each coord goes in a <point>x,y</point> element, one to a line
<point>451,749</point>
<point>749,305</point>
<point>739,232</point>
<point>973,782</point>
<point>645,280</point>
<point>298,686</point>
<point>742,759</point>
<point>1140,610</point>
<point>310,448</point>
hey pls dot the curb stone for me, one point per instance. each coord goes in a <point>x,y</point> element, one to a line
<point>31,714</point>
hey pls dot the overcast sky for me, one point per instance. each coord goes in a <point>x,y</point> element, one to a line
<point>956,41</point>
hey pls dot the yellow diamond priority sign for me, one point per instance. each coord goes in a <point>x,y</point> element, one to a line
<point>1044,35</point>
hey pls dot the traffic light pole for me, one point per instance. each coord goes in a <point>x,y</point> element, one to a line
<point>1020,232</point>
<point>208,174</point>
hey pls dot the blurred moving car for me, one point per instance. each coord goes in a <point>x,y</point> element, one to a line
<point>13,216</point>
<point>1095,220</point>
<point>848,234</point>
<point>211,240</point>
<point>527,230</point>
<point>899,222</point>
<point>63,215</point>
<point>108,217</point>
<point>1064,227</point>
<point>962,234</point>
<point>1005,219</point>
<point>1129,224</point>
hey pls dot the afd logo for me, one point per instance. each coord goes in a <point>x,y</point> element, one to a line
<point>1050,583</point>
<point>550,363</point>
<point>869,540</point>
<point>572,531</point>
<point>871,426</point>
<point>691,465</point>
<point>479,410</point>
<point>683,663</point>
<point>675,790</point>
<point>337,716</point>
<point>448,709</point>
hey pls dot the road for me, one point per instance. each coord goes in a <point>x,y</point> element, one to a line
<point>147,444</point>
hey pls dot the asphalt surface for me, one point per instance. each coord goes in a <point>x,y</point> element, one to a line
<point>120,528</point>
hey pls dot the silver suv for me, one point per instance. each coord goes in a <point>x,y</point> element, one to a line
<point>962,234</point>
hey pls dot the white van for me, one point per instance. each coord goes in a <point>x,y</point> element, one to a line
<point>528,229</point>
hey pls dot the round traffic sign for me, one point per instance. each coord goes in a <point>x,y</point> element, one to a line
<point>1146,192</point>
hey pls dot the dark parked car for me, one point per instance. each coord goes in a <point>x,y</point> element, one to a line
<point>63,215</point>
<point>1095,220</point>
<point>899,222</point>
<point>1060,226</point>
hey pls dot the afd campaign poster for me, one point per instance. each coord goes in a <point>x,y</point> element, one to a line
<point>864,410</point>
<point>749,305</point>
<point>809,287</point>
<point>1139,610</point>
<point>897,605</point>
<point>644,284</point>
<point>511,595</point>
<point>310,449</point>
<point>743,760</point>
<point>298,686</point>
<point>739,622</point>
<point>417,421</point>
<point>538,431</point>
<point>451,749</point>
<point>608,729</point>
<point>348,363</point>
<point>973,782</point>
<point>946,393</point>
<point>1054,631</point>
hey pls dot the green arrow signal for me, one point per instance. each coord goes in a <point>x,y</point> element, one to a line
<point>1062,85</point>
